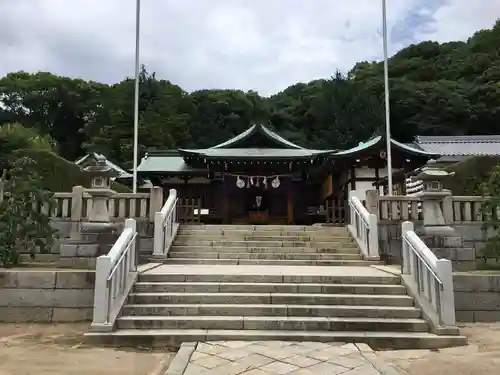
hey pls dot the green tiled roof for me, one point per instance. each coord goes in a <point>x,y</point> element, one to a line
<point>269,153</point>
<point>258,128</point>
<point>376,141</point>
<point>165,162</point>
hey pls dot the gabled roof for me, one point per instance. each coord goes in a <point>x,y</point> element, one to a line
<point>122,172</point>
<point>379,141</point>
<point>464,145</point>
<point>235,148</point>
<point>254,129</point>
<point>263,153</point>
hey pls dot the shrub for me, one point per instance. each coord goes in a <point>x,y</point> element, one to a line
<point>491,209</point>
<point>23,226</point>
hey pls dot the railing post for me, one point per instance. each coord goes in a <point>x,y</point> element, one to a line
<point>448,209</point>
<point>159,234</point>
<point>406,227</point>
<point>349,205</point>
<point>155,202</point>
<point>373,236</point>
<point>76,210</point>
<point>372,201</point>
<point>101,293</point>
<point>159,225</point>
<point>132,266</point>
<point>445,273</point>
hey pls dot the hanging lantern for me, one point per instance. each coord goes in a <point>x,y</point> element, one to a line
<point>240,183</point>
<point>275,183</point>
<point>257,182</point>
<point>265,182</point>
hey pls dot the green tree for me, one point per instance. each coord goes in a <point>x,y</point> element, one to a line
<point>491,211</point>
<point>24,223</point>
<point>52,105</point>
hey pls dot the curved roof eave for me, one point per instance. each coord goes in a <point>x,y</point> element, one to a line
<point>265,131</point>
<point>374,142</point>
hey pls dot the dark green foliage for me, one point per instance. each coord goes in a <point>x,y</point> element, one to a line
<point>24,228</point>
<point>470,174</point>
<point>436,89</point>
<point>52,167</point>
<point>491,190</point>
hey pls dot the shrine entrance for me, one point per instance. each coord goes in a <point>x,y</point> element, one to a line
<point>257,203</point>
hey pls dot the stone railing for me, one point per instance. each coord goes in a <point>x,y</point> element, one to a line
<point>166,225</point>
<point>428,279</point>
<point>399,208</point>
<point>116,273</point>
<point>76,206</point>
<point>456,209</point>
<point>363,226</point>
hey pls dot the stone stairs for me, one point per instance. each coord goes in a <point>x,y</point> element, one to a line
<point>266,245</point>
<point>271,283</point>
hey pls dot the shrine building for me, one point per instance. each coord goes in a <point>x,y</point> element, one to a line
<point>259,177</point>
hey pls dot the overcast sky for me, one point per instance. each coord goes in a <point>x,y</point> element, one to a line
<point>263,45</point>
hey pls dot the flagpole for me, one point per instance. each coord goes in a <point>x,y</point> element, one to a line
<point>136,92</point>
<point>387,108</point>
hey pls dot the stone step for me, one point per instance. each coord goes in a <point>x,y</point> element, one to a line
<point>357,263</point>
<point>276,256</point>
<point>231,249</point>
<point>264,228</point>
<point>215,287</point>
<point>272,323</point>
<point>407,312</point>
<point>271,298</point>
<point>191,241</point>
<point>262,237</point>
<point>191,276</point>
<point>175,337</point>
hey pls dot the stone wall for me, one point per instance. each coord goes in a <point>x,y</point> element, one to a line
<point>46,296</point>
<point>477,297</point>
<point>463,259</point>
<point>78,255</point>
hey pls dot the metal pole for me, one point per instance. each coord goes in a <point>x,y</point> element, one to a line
<point>387,108</point>
<point>136,92</point>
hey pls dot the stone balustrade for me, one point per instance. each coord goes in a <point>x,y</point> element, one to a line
<point>456,209</point>
<point>76,206</point>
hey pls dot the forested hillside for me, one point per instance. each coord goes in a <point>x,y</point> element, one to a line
<point>436,89</point>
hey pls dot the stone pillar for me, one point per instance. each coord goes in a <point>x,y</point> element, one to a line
<point>76,211</point>
<point>372,201</point>
<point>155,202</point>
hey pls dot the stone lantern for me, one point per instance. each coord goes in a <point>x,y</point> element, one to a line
<point>432,196</point>
<point>100,191</point>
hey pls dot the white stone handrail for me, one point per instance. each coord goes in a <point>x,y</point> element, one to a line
<point>363,226</point>
<point>115,275</point>
<point>429,277</point>
<point>166,225</point>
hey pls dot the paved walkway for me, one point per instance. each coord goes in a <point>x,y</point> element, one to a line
<point>280,358</point>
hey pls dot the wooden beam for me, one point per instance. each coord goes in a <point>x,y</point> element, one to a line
<point>290,206</point>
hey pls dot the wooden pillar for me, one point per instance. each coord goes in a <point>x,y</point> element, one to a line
<point>225,206</point>
<point>290,206</point>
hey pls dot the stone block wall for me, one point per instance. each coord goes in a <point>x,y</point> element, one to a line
<point>463,258</point>
<point>477,297</point>
<point>46,296</point>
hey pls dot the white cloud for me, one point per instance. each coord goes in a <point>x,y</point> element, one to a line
<point>459,19</point>
<point>264,45</point>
